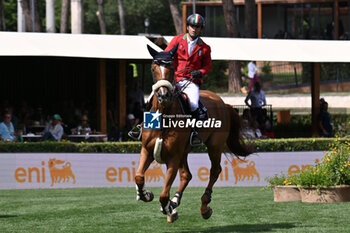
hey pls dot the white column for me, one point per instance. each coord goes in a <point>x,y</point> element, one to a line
<point>77,16</point>
<point>50,16</point>
<point>21,23</point>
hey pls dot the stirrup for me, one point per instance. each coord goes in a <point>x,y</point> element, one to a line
<point>136,132</point>
<point>195,139</point>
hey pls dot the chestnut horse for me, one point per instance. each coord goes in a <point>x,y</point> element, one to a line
<point>172,144</point>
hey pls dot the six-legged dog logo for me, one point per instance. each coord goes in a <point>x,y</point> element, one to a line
<point>244,172</point>
<point>58,173</point>
<point>154,173</point>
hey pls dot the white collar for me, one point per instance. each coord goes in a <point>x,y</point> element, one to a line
<point>193,41</point>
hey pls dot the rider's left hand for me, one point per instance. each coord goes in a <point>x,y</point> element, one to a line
<point>196,74</point>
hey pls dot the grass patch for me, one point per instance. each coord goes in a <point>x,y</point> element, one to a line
<point>235,209</point>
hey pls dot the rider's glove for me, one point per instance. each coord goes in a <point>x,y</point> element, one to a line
<point>196,74</point>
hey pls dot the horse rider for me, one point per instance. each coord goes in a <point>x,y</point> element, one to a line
<point>191,62</point>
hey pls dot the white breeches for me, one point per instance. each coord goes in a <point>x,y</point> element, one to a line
<point>192,91</point>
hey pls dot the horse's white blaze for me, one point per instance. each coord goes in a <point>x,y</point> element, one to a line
<point>162,90</point>
<point>162,68</point>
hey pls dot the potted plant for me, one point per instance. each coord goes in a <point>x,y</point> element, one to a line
<point>329,179</point>
<point>284,188</point>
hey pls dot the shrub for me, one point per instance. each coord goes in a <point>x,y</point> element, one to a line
<point>333,169</point>
<point>260,145</point>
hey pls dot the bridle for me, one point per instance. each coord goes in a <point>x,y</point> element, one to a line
<point>163,82</point>
<point>164,97</point>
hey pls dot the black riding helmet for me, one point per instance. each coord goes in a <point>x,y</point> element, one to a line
<point>195,20</point>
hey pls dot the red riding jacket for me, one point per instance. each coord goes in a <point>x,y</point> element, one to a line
<point>199,59</point>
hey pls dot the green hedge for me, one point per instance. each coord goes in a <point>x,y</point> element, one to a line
<point>267,145</point>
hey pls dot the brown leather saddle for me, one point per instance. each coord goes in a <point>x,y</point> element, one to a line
<point>186,109</point>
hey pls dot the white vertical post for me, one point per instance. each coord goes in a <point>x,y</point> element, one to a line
<point>193,6</point>
<point>50,16</point>
<point>21,23</point>
<point>77,16</point>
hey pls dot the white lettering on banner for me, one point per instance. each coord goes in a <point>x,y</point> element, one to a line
<point>57,170</point>
<point>190,123</point>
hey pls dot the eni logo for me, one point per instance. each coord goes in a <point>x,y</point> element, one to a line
<point>294,169</point>
<point>60,173</point>
<point>123,174</point>
<point>241,173</point>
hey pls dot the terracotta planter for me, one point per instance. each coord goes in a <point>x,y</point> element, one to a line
<point>284,193</point>
<point>339,193</point>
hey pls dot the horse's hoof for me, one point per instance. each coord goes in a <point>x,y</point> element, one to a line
<point>173,217</point>
<point>207,214</point>
<point>146,196</point>
<point>150,196</point>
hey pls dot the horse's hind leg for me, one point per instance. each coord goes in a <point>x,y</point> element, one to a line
<point>145,161</point>
<point>215,158</point>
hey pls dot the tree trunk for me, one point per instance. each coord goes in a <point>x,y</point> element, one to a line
<point>2,18</point>
<point>250,19</point>
<point>175,13</point>
<point>234,67</point>
<point>64,16</point>
<point>101,16</point>
<point>27,14</point>
<point>121,17</point>
<point>37,20</point>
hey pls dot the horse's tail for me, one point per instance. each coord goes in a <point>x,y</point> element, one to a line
<point>234,141</point>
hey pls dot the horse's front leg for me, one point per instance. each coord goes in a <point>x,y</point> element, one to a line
<point>168,207</point>
<point>185,178</point>
<point>145,161</point>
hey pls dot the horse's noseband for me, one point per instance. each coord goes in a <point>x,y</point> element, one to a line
<point>162,83</point>
<point>163,99</point>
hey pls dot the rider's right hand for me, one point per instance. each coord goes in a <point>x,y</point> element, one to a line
<point>196,74</point>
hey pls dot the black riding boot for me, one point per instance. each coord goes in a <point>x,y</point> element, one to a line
<point>195,140</point>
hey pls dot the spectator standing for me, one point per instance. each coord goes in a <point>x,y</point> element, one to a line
<point>136,95</point>
<point>252,74</point>
<point>257,100</point>
<point>7,131</point>
<point>325,121</point>
<point>53,130</point>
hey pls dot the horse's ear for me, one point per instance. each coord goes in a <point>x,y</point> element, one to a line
<point>173,50</point>
<point>152,51</point>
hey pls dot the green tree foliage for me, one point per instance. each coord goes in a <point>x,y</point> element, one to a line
<point>216,80</point>
<point>10,12</point>
<point>136,11</point>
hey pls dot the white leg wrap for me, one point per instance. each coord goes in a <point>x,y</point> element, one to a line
<point>144,193</point>
<point>176,199</point>
<point>170,209</point>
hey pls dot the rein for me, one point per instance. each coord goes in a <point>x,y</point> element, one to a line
<point>171,86</point>
<point>186,69</point>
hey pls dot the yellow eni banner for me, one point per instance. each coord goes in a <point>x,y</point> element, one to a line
<point>57,170</point>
